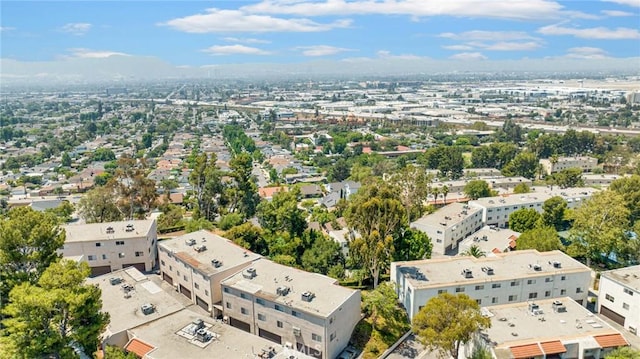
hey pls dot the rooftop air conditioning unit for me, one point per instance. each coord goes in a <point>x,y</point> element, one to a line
<point>282,290</point>
<point>488,270</point>
<point>147,309</point>
<point>190,242</point>
<point>129,228</point>
<point>202,335</point>
<point>308,296</point>
<point>110,230</point>
<point>115,280</point>
<point>536,267</point>
<point>558,307</point>
<point>200,248</point>
<point>249,273</point>
<point>216,263</point>
<point>467,273</point>
<point>556,264</point>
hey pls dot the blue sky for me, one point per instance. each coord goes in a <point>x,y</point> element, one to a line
<point>290,31</point>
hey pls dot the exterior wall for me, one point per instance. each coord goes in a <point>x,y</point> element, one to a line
<point>344,321</point>
<point>613,296</point>
<point>446,237</point>
<point>499,291</point>
<point>586,164</point>
<point>139,249</point>
<point>498,213</point>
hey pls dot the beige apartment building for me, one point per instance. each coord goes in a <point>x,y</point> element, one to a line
<point>111,246</point>
<point>585,163</point>
<point>197,262</point>
<point>307,312</point>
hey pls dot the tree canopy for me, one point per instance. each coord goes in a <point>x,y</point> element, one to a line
<point>524,219</point>
<point>447,322</point>
<point>553,213</point>
<point>477,189</point>
<point>541,238</point>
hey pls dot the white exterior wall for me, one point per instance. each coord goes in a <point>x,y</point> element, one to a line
<point>613,296</point>
<point>586,164</point>
<point>444,237</point>
<point>498,214</point>
<point>498,292</point>
<point>136,249</point>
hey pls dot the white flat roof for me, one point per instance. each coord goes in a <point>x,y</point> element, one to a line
<point>629,277</point>
<point>107,231</point>
<point>451,215</point>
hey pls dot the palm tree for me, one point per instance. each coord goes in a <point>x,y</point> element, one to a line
<point>436,192</point>
<point>474,251</point>
<point>445,191</point>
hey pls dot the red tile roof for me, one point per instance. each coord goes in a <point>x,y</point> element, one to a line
<point>610,340</point>
<point>553,347</point>
<point>526,351</point>
<point>138,347</point>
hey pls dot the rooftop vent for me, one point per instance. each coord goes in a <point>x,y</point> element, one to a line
<point>282,290</point>
<point>202,335</point>
<point>216,263</point>
<point>558,307</point>
<point>308,296</point>
<point>110,230</point>
<point>129,227</point>
<point>535,267</point>
<point>484,238</point>
<point>198,324</point>
<point>201,248</point>
<point>534,309</point>
<point>556,264</point>
<point>147,309</point>
<point>190,242</point>
<point>249,273</point>
<point>467,273</point>
<point>115,280</point>
<point>488,270</point>
<point>127,287</point>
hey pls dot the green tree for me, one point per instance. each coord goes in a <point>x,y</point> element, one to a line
<point>381,306</point>
<point>230,220</point>
<point>63,212</point>
<point>207,185</point>
<point>623,353</point>
<point>412,184</point>
<point>570,177</point>
<point>113,352</point>
<point>28,244</point>
<point>377,214</point>
<point>246,198</point>
<point>474,251</point>
<point>147,140</point>
<point>524,219</point>
<point>447,322</point>
<point>323,254</point>
<point>521,188</point>
<point>249,236</point>
<point>66,159</point>
<point>599,226</point>
<point>541,238</point>
<point>412,245</point>
<point>553,213</point>
<point>99,205</point>
<point>50,318</point>
<point>197,224</point>
<point>171,217</point>
<point>477,189</point>
<point>629,188</point>
<point>340,170</point>
<point>523,164</point>
<point>282,214</point>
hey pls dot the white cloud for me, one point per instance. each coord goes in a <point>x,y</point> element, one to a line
<point>458,47</point>
<point>512,9</point>
<point>321,50</point>
<point>93,54</point>
<point>617,13</point>
<point>6,28</point>
<point>586,53</point>
<point>76,28</point>
<point>246,40</point>
<point>599,33</point>
<point>216,20</point>
<point>468,56</point>
<point>480,35</point>
<point>384,54</point>
<point>220,50</point>
<point>634,3</point>
<point>509,46</point>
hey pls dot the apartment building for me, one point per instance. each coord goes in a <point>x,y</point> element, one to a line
<point>585,163</point>
<point>600,180</point>
<point>449,225</point>
<point>197,262</point>
<point>111,246</point>
<point>306,311</point>
<point>546,329</point>
<point>496,210</point>
<point>506,184</point>
<point>619,297</point>
<point>491,240</point>
<point>511,277</point>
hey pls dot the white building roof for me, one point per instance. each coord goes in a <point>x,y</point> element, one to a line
<point>628,277</point>
<point>449,215</point>
<point>108,230</point>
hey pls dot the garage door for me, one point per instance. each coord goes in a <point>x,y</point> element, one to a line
<point>271,336</point>
<point>240,324</point>
<point>612,315</point>
<point>96,271</point>
<point>202,303</point>
<point>185,291</point>
<point>139,266</point>
<point>167,278</point>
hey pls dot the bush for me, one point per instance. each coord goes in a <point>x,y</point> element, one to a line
<point>229,221</point>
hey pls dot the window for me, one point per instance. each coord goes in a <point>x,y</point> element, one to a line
<point>316,338</point>
<point>184,277</point>
<point>92,257</point>
<point>460,290</point>
<point>479,287</point>
<point>547,293</point>
<point>625,306</point>
<point>98,244</point>
<point>171,268</point>
<point>279,308</point>
<point>513,298</point>
<point>228,305</point>
<point>496,285</point>
<point>178,273</point>
<point>244,311</point>
<point>226,290</point>
<point>515,283</point>
<point>563,291</point>
<point>262,317</point>
<point>531,281</point>
<point>104,256</point>
<point>332,336</point>
<point>479,301</point>
<point>244,296</point>
<point>628,291</point>
<point>331,320</point>
<point>564,277</point>
<point>206,292</point>
<point>196,285</point>
<point>161,262</point>
<point>548,279</point>
<point>119,243</point>
<point>260,301</point>
<point>139,254</point>
<point>578,290</point>
<point>120,255</point>
<point>490,218</point>
<point>279,324</point>
<point>440,291</point>
<point>533,295</point>
<point>610,298</point>
<point>295,314</point>
<point>494,300</point>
